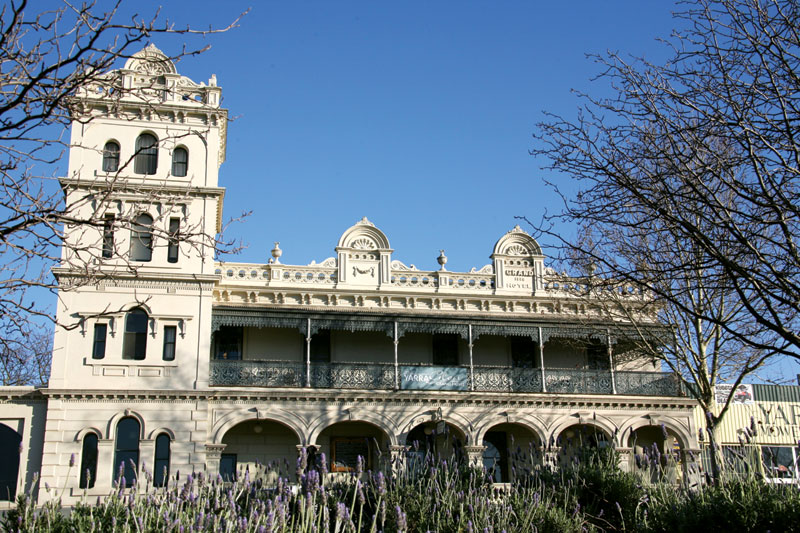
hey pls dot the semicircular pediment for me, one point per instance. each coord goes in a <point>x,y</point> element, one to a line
<point>517,242</point>
<point>363,235</point>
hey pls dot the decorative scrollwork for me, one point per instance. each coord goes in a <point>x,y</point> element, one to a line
<point>363,244</point>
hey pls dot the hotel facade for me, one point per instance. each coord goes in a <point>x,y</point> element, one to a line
<point>178,362</point>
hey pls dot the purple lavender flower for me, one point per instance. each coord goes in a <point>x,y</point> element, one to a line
<point>402,524</point>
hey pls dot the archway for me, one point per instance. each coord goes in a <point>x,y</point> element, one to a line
<point>434,441</point>
<point>579,440</point>
<point>657,453</point>
<point>9,467</point>
<point>344,442</point>
<point>264,448</point>
<point>510,450</point>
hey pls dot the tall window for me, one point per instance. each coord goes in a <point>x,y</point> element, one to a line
<point>169,343</point>
<point>142,238</point>
<point>134,343</point>
<point>161,463</point>
<point>174,238</point>
<point>146,159</point>
<point>108,236</point>
<point>99,346</point>
<point>180,162</point>
<point>126,450</point>
<point>88,472</point>
<point>110,157</point>
<point>445,349</point>
<point>597,355</point>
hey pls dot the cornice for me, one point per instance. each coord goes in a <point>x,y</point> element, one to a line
<point>335,397</point>
<point>127,184</point>
<point>117,278</point>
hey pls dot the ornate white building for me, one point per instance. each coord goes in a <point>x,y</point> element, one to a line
<point>182,363</point>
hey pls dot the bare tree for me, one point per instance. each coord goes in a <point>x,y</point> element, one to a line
<point>26,361</point>
<point>46,59</point>
<point>705,147</point>
<point>688,189</point>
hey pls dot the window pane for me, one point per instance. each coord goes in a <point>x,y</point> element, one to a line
<point>146,160</point>
<point>180,162</point>
<point>174,238</point>
<point>169,343</point>
<point>88,472</point>
<point>108,236</point>
<point>110,157</point>
<point>99,348</point>
<point>134,344</point>
<point>321,347</point>
<point>126,452</point>
<point>524,353</point>
<point>142,238</point>
<point>778,462</point>
<point>161,463</point>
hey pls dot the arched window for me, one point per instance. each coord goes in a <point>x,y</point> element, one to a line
<point>161,463</point>
<point>110,157</point>
<point>126,450</point>
<point>134,343</point>
<point>142,238</point>
<point>146,160</point>
<point>88,472</point>
<point>180,162</point>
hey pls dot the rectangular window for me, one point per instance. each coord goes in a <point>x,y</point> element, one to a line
<point>108,236</point>
<point>170,332</point>
<point>524,352</point>
<point>227,466</point>
<point>445,349</point>
<point>597,355</point>
<point>99,347</point>
<point>780,462</point>
<point>174,239</point>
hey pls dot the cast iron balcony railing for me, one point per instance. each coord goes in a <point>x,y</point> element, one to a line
<point>381,376</point>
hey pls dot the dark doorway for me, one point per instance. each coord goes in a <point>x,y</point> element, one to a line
<point>9,467</point>
<point>495,457</point>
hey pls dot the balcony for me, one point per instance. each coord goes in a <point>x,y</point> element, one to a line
<point>491,379</point>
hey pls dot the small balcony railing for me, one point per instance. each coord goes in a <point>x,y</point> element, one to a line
<point>383,376</point>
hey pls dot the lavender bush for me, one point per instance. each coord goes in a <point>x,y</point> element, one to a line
<point>583,492</point>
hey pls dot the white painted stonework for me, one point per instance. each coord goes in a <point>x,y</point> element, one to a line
<point>238,363</point>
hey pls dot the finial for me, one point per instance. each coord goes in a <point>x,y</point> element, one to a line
<point>277,253</point>
<point>442,260</point>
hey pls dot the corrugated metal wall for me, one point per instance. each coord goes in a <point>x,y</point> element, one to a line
<point>775,411</point>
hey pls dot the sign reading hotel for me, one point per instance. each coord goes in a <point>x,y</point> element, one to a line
<point>433,378</point>
<point>742,395</point>
<point>518,278</point>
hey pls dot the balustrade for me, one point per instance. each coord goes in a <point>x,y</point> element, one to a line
<point>380,376</point>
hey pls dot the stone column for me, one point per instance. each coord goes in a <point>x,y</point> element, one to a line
<point>625,458</point>
<point>213,457</point>
<point>397,458</point>
<point>550,456</point>
<point>474,455</point>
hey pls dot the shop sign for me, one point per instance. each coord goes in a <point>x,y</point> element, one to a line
<point>743,395</point>
<point>433,378</point>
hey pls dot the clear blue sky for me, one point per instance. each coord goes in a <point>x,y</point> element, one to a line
<point>417,115</point>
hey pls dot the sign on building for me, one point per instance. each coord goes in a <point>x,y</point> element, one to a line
<point>743,395</point>
<point>433,378</point>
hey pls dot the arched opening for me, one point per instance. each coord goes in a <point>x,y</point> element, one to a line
<point>434,441</point>
<point>180,162</point>
<point>580,440</point>
<point>126,451</point>
<point>657,453</point>
<point>161,460</point>
<point>88,473</point>
<point>344,442</point>
<point>146,159</point>
<point>111,157</point>
<point>142,238</point>
<point>134,341</point>
<point>9,467</point>
<point>264,448</point>
<point>511,450</point>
